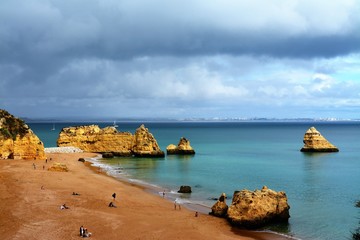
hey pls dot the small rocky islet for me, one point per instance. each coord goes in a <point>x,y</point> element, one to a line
<point>183,148</point>
<point>315,142</point>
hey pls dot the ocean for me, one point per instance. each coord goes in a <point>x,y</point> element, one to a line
<point>322,188</point>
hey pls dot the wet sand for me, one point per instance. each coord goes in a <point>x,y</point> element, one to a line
<point>30,201</point>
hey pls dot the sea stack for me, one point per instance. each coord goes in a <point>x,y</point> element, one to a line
<point>254,209</point>
<point>17,140</point>
<point>183,148</point>
<point>315,142</point>
<point>219,209</point>
<point>145,145</point>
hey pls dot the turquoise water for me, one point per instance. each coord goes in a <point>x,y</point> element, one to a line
<point>321,188</point>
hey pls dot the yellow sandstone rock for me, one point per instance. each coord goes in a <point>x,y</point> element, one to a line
<point>17,140</point>
<point>315,142</point>
<point>182,148</point>
<point>92,138</point>
<point>58,167</point>
<point>253,209</point>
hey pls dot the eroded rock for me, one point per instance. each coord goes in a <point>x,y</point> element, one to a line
<point>145,145</point>
<point>92,138</point>
<point>183,148</point>
<point>219,209</point>
<point>185,189</point>
<point>17,140</point>
<point>58,167</point>
<point>254,209</point>
<point>315,142</point>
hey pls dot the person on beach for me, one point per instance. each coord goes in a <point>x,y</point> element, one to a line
<point>81,231</point>
<point>163,193</point>
<point>34,166</point>
<point>86,233</point>
<point>114,196</point>
<point>177,204</point>
<point>196,214</point>
<point>64,207</point>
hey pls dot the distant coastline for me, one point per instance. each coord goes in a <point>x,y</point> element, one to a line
<point>145,120</point>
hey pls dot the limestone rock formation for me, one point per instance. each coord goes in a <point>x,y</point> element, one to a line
<point>92,138</point>
<point>315,142</point>
<point>185,189</point>
<point>17,140</point>
<point>253,209</point>
<point>219,209</point>
<point>58,167</point>
<point>145,145</point>
<point>182,148</point>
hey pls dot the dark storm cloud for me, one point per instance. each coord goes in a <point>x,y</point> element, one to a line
<point>35,31</point>
<point>200,56</point>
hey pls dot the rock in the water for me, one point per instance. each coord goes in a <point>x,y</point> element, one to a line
<point>145,145</point>
<point>58,167</point>
<point>254,209</point>
<point>183,148</point>
<point>219,209</point>
<point>17,140</point>
<point>81,160</point>
<point>93,139</point>
<point>185,189</point>
<point>107,155</point>
<point>315,142</point>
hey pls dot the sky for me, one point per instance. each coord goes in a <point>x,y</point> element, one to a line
<point>180,59</point>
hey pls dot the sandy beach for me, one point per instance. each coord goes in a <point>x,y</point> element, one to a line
<point>30,201</point>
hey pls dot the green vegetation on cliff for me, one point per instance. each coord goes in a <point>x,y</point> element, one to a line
<point>11,126</point>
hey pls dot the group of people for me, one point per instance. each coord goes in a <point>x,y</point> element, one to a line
<point>84,232</point>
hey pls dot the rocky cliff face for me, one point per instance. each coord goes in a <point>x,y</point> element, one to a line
<point>182,148</point>
<point>253,209</point>
<point>145,145</point>
<point>17,140</point>
<point>93,139</point>
<point>219,209</point>
<point>315,142</point>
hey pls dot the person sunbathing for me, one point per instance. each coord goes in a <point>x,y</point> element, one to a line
<point>64,207</point>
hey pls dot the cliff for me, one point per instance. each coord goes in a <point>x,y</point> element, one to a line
<point>17,140</point>
<point>315,142</point>
<point>182,148</point>
<point>253,209</point>
<point>108,140</point>
<point>145,145</point>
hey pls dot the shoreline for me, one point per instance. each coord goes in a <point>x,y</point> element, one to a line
<point>30,200</point>
<point>194,207</point>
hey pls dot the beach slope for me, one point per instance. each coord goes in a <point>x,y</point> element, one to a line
<point>30,201</point>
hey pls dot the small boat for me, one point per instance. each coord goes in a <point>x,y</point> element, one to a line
<point>115,125</point>
<point>53,128</point>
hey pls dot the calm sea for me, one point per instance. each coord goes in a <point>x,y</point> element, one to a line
<point>322,188</point>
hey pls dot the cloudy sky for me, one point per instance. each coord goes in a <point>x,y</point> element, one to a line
<point>179,58</point>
